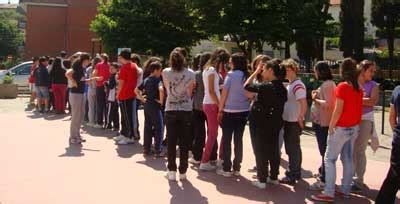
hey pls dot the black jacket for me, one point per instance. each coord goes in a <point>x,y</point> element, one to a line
<point>42,76</point>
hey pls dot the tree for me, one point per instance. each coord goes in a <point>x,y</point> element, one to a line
<point>386,16</point>
<point>352,35</point>
<point>10,36</point>
<point>147,26</point>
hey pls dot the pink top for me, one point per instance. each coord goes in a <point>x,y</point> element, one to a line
<point>322,112</point>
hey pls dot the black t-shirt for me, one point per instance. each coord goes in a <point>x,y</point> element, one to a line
<point>395,100</point>
<point>150,87</point>
<point>79,77</point>
<point>270,101</point>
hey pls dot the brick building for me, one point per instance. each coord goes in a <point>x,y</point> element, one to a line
<point>55,25</point>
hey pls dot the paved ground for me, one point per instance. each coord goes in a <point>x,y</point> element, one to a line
<point>38,166</point>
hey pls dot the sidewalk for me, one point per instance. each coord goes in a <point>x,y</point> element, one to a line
<point>39,167</point>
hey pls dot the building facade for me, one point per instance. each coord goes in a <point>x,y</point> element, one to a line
<point>55,25</point>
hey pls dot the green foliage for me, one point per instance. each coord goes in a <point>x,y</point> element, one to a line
<point>385,54</point>
<point>333,42</point>
<point>147,26</point>
<point>10,36</point>
<point>8,79</point>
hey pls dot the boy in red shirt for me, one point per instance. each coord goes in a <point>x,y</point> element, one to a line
<point>127,81</point>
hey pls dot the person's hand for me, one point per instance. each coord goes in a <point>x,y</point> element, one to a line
<point>314,94</point>
<point>100,78</point>
<point>219,117</point>
<point>260,68</point>
<point>331,130</point>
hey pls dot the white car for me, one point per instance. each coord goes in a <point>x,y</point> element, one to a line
<point>21,73</point>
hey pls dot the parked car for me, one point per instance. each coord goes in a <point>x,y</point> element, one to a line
<point>21,73</point>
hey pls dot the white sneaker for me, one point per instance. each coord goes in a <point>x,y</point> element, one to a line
<point>171,175</point>
<point>97,126</point>
<point>118,138</point>
<point>182,177</point>
<point>273,182</point>
<point>224,173</point>
<point>259,185</point>
<point>193,161</point>
<point>236,173</point>
<point>126,141</point>
<point>207,167</point>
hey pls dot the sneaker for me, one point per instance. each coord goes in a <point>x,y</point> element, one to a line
<point>224,173</point>
<point>207,167</point>
<point>259,184</point>
<point>287,180</point>
<point>171,175</point>
<point>194,161</point>
<point>356,189</point>
<point>339,193</point>
<point>115,129</point>
<point>90,124</point>
<point>317,186</point>
<point>323,198</point>
<point>273,182</point>
<point>182,177</point>
<point>118,138</point>
<point>220,163</point>
<point>97,126</point>
<point>126,141</point>
<point>236,173</point>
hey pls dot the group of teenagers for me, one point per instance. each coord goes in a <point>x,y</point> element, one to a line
<point>225,91</point>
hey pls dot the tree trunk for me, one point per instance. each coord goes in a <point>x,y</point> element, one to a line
<point>287,49</point>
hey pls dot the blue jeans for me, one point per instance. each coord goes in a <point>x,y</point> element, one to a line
<point>233,125</point>
<point>340,142</point>
<point>153,120</point>
<point>322,135</point>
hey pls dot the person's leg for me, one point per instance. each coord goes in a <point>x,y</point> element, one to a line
<point>211,112</point>
<point>199,134</point>
<point>129,108</point>
<point>135,123</point>
<point>125,129</point>
<point>63,92</point>
<point>323,140</point>
<point>75,120</point>
<point>148,128</point>
<point>391,185</point>
<point>292,132</point>
<point>252,128</point>
<point>347,162</point>
<point>100,101</point>
<point>360,146</point>
<point>81,99</point>
<point>227,133</point>
<point>172,132</point>
<point>56,92</point>
<point>46,98</point>
<point>159,133</point>
<point>92,110</point>
<point>240,124</point>
<point>261,154</point>
<point>274,157</point>
<point>184,139</point>
<point>115,115</point>
<point>335,145</point>
<point>137,118</point>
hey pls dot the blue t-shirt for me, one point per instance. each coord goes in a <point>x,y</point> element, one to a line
<point>395,100</point>
<point>237,100</point>
<point>151,88</point>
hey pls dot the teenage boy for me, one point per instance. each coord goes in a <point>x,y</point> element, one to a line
<point>42,82</point>
<point>391,185</point>
<point>293,116</point>
<point>127,81</point>
<point>154,90</point>
<point>112,106</point>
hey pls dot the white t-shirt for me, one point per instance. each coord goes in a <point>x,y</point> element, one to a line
<point>206,73</point>
<point>296,91</point>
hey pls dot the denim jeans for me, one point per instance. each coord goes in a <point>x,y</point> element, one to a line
<point>322,136</point>
<point>153,120</point>
<point>178,129</point>
<point>340,142</point>
<point>233,124</point>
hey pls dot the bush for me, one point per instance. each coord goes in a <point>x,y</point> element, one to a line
<point>8,79</point>
<point>332,42</point>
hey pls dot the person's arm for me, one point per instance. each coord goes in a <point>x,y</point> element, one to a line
<point>249,85</point>
<point>392,117</point>
<point>336,115</point>
<point>303,110</point>
<point>120,85</point>
<point>161,92</point>
<point>224,96</point>
<point>69,74</point>
<point>371,101</point>
<point>211,88</point>
<point>139,95</point>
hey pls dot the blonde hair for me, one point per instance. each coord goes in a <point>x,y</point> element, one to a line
<point>292,64</point>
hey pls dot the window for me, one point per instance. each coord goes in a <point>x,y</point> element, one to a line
<point>22,70</point>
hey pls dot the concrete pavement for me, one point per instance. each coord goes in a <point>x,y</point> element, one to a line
<point>38,166</point>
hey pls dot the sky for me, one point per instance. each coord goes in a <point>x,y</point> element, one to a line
<point>6,1</point>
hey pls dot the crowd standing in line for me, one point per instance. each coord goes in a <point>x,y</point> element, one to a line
<point>218,90</point>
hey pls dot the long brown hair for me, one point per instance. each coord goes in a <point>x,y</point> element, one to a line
<point>177,61</point>
<point>218,57</point>
<point>349,73</point>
